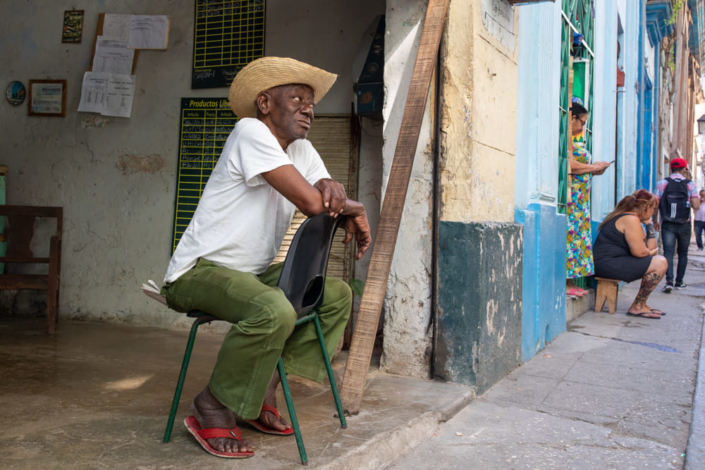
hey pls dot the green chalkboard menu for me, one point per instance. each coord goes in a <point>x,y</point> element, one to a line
<point>206,124</point>
<point>227,36</point>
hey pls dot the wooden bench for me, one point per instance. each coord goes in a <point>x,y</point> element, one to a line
<point>19,231</point>
<point>607,291</point>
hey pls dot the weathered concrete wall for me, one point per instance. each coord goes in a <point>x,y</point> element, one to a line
<point>479,318</point>
<point>116,177</point>
<point>479,111</point>
<point>407,307</point>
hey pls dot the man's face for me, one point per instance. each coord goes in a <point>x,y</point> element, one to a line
<point>291,111</point>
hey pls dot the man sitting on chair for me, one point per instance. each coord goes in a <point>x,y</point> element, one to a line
<point>222,263</point>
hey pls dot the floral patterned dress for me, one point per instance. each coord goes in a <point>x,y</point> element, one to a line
<point>579,259</point>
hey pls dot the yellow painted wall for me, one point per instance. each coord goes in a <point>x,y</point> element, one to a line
<point>478,129</point>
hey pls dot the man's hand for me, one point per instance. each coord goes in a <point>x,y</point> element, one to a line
<point>333,195</point>
<point>360,228</point>
<point>356,224</point>
<point>657,226</point>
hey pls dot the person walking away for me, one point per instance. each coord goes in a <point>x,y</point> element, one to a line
<point>700,221</point>
<point>676,195</point>
<point>579,250</point>
<point>623,251</point>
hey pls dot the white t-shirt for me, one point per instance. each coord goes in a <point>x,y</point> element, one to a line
<point>241,220</point>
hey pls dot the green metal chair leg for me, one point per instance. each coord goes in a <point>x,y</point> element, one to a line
<point>182,378</point>
<point>331,376</point>
<point>292,412</point>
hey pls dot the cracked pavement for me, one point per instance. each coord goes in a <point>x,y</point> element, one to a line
<point>611,392</point>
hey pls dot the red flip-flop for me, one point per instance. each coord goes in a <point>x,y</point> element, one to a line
<point>576,292</point>
<point>266,429</point>
<point>202,434</point>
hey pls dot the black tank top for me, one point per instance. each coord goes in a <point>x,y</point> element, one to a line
<point>611,243</point>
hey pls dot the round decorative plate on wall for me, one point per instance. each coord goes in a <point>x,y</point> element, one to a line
<point>15,93</point>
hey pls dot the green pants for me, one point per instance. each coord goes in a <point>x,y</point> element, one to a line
<point>263,329</point>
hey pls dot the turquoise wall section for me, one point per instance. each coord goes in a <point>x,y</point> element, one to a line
<point>604,105</point>
<point>543,272</point>
<point>544,277</point>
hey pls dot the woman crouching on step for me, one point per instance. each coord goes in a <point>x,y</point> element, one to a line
<point>625,251</point>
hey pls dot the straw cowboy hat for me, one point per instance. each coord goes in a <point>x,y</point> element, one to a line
<point>262,74</point>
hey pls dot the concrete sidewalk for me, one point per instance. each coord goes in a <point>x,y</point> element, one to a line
<point>612,392</point>
<point>97,396</point>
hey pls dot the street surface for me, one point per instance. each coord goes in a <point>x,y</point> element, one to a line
<point>614,392</point>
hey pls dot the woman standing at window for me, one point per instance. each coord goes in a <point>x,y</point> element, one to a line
<point>579,253</point>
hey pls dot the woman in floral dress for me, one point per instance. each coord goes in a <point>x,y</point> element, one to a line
<point>579,253</point>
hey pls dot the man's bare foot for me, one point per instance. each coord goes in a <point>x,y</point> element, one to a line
<point>268,418</point>
<point>210,413</point>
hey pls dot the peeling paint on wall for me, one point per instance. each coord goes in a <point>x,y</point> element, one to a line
<point>95,122</point>
<point>407,306</point>
<point>129,164</point>
<point>479,314</point>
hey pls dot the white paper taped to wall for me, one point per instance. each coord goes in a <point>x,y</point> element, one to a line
<point>107,94</point>
<point>148,32</point>
<point>116,27</point>
<point>112,56</point>
<point>93,91</point>
<point>119,96</point>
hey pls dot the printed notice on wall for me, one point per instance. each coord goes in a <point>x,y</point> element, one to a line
<point>95,86</point>
<point>119,95</point>
<point>148,32</point>
<point>112,56</point>
<point>227,36</point>
<point>107,94</point>
<point>206,124</point>
<point>117,27</point>
<point>498,18</point>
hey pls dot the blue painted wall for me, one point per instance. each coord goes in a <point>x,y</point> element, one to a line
<point>631,19</point>
<point>544,277</point>
<point>642,131</point>
<point>604,105</point>
<point>544,230</point>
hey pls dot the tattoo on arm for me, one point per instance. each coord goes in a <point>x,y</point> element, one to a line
<point>650,232</point>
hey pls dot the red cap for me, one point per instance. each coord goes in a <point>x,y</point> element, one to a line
<point>678,163</point>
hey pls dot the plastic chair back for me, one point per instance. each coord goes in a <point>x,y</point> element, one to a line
<point>303,275</point>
